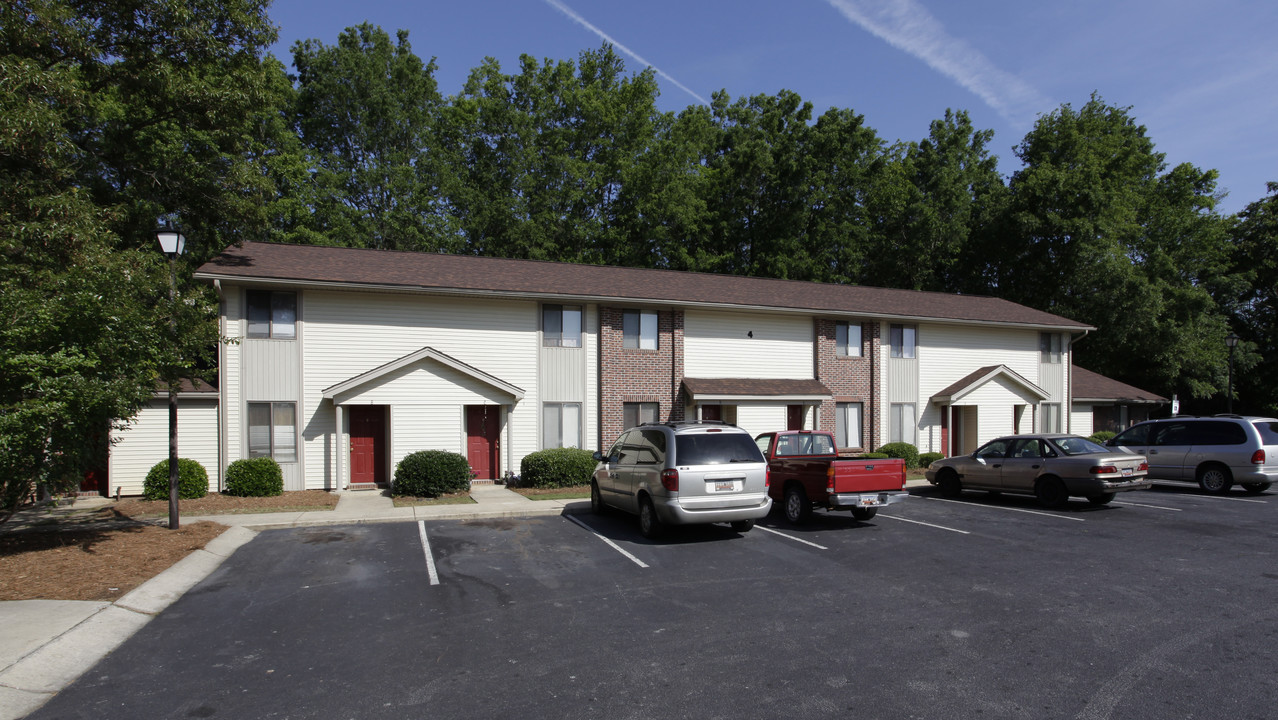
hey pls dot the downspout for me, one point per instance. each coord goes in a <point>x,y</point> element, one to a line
<point>221,387</point>
<point>1069,383</point>
<point>874,385</point>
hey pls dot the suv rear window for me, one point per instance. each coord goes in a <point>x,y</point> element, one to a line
<point>1268,430</point>
<point>715,449</point>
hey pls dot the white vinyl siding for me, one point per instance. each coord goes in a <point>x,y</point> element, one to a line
<point>748,345</point>
<point>1081,420</point>
<point>351,333</point>
<point>759,417</point>
<point>146,442</point>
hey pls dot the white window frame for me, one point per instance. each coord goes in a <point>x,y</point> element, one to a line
<point>560,425</point>
<point>639,329</point>
<point>847,339</point>
<point>642,412</point>
<point>280,308</point>
<point>561,326</point>
<point>849,423</point>
<point>904,339</point>
<point>899,430</point>
<point>271,440</point>
<point>1050,413</point>
<point>1050,348</point>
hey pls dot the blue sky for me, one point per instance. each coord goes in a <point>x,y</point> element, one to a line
<point>1201,76</point>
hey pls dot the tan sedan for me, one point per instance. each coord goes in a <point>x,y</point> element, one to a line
<point>1051,466</point>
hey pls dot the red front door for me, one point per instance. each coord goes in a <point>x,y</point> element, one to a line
<point>712,413</point>
<point>794,417</point>
<point>483,428</point>
<point>368,444</point>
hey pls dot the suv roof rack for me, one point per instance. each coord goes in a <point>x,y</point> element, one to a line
<point>681,423</point>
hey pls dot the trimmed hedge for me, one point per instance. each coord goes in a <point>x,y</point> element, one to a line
<point>928,458</point>
<point>431,473</point>
<point>1100,437</point>
<point>254,477</point>
<point>193,481</point>
<point>872,456</point>
<point>556,468</point>
<point>905,451</point>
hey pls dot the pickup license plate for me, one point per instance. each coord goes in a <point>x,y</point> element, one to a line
<point>724,486</point>
<point>1127,472</point>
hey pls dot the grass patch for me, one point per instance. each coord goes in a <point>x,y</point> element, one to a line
<point>578,492</point>
<point>447,499</point>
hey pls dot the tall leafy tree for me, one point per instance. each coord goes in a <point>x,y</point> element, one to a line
<point>1251,297</point>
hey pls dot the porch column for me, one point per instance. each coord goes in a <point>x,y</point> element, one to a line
<point>339,481</point>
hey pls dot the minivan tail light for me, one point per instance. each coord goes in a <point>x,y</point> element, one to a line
<point>670,480</point>
<point>1101,469</point>
<point>1258,457</point>
<point>767,476</point>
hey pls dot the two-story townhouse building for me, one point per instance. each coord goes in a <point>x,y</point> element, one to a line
<point>345,360</point>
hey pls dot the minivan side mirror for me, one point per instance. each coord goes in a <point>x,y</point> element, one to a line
<point>598,456</point>
<point>1112,442</point>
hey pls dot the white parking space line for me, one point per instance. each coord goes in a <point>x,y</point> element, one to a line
<point>430,561</point>
<point>1135,504</point>
<point>791,537</point>
<point>612,544</point>
<point>1000,507</point>
<point>920,522</point>
<point>1208,497</point>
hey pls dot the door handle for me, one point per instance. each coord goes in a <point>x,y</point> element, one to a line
<point>999,465</point>
<point>1035,467</point>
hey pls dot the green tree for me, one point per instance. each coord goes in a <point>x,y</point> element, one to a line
<point>1252,300</point>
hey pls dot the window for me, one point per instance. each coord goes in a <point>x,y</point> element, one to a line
<point>901,423</point>
<point>637,413</point>
<point>902,341</point>
<point>561,325</point>
<point>272,429</point>
<point>1051,417</point>
<point>1049,348</point>
<point>639,330</point>
<point>847,425</point>
<point>272,314</point>
<point>561,425</point>
<point>847,340</point>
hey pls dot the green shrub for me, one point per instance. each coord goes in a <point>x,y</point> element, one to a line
<point>928,458</point>
<point>905,451</point>
<point>872,456</point>
<point>254,477</point>
<point>556,468</point>
<point>1100,437</point>
<point>431,473</point>
<point>193,481</point>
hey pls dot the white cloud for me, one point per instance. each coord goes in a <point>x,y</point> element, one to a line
<point>572,15</point>
<point>908,26</point>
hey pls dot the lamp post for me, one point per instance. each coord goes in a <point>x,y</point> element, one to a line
<point>172,243</point>
<point>1231,340</point>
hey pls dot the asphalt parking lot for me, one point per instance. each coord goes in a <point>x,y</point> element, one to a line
<point>1158,605</point>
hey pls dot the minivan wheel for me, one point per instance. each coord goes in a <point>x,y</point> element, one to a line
<point>949,483</point>
<point>742,526</point>
<point>1102,499</point>
<point>1051,492</point>
<point>1256,488</point>
<point>1215,479</point>
<point>596,500</point>
<point>649,523</point>
<point>864,514</point>
<point>797,507</point>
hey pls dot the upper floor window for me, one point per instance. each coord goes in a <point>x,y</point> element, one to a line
<point>847,339</point>
<point>561,325</point>
<point>1049,348</point>
<point>639,330</point>
<point>902,341</point>
<point>272,314</point>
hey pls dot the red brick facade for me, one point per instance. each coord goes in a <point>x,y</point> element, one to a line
<point>633,375</point>
<point>850,379</point>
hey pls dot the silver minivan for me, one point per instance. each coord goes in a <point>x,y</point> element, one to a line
<point>683,473</point>
<point>1214,452</point>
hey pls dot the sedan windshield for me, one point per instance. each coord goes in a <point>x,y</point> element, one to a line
<point>1077,446</point>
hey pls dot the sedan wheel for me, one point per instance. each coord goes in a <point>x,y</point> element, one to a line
<point>1215,479</point>
<point>649,523</point>
<point>797,507</point>
<point>1051,492</point>
<point>1256,488</point>
<point>949,484</point>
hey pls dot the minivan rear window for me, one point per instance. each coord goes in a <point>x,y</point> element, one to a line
<point>1268,430</point>
<point>715,449</point>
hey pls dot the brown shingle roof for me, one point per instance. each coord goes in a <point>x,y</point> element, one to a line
<point>1094,386</point>
<point>528,278</point>
<point>700,387</point>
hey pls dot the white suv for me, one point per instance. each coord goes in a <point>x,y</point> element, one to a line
<point>683,473</point>
<point>1214,452</point>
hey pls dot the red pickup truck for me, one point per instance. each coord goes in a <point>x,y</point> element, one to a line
<point>806,470</point>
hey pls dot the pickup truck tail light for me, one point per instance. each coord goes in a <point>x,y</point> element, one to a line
<point>829,479</point>
<point>670,480</point>
<point>1258,457</point>
<point>1101,469</point>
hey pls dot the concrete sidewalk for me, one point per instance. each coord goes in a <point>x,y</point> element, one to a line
<point>47,644</point>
